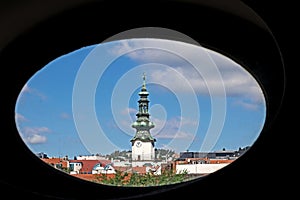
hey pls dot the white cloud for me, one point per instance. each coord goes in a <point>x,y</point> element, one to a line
<point>188,122</point>
<point>20,118</point>
<point>172,128</point>
<point>174,135</point>
<point>133,51</point>
<point>35,130</point>
<point>247,105</point>
<point>34,135</point>
<point>235,79</point>
<point>36,139</point>
<point>181,80</point>
<point>127,111</point>
<point>28,90</point>
<point>235,82</point>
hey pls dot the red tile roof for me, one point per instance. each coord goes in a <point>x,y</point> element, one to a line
<point>140,170</point>
<point>54,161</point>
<point>88,165</point>
<point>217,161</point>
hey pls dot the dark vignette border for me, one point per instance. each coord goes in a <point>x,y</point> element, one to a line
<point>248,42</point>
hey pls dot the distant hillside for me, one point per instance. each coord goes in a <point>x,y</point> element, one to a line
<point>161,154</point>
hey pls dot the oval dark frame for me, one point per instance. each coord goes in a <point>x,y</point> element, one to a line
<point>233,30</point>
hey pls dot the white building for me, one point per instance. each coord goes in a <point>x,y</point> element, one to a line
<point>107,169</point>
<point>199,168</point>
<point>75,167</point>
<point>90,157</point>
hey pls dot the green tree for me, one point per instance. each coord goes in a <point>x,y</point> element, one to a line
<point>144,180</point>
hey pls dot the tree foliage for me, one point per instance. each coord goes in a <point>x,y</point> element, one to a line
<point>167,177</point>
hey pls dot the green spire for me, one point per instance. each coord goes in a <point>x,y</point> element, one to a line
<point>143,123</point>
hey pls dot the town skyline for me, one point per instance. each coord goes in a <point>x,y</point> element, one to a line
<point>51,119</point>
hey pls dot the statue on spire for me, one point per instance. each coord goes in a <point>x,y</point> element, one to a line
<point>144,82</point>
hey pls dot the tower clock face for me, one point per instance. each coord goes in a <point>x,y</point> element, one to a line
<point>138,144</point>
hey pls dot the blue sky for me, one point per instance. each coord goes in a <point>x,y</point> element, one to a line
<point>84,102</point>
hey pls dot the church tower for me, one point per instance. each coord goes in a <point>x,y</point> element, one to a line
<point>143,143</point>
